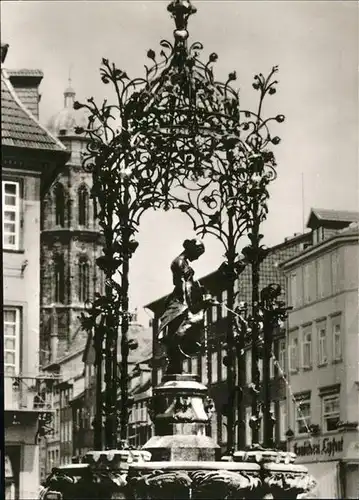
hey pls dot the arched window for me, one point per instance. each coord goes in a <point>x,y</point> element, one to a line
<point>83,204</point>
<point>59,205</point>
<point>84,280</point>
<point>59,280</point>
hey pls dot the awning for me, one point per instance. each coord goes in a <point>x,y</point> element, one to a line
<point>326,474</point>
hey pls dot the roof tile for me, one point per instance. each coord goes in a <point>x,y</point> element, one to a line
<point>335,215</point>
<point>19,128</point>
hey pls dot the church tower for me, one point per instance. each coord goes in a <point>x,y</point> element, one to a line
<point>70,243</point>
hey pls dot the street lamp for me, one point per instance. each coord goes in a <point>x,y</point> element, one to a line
<point>175,139</point>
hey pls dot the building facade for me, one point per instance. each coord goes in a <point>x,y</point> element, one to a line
<point>209,364</point>
<point>31,159</point>
<point>323,351</point>
<point>139,427</point>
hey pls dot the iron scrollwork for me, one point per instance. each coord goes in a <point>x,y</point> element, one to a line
<point>175,138</point>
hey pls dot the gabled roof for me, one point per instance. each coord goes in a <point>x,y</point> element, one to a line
<point>25,72</point>
<point>336,216</point>
<point>19,127</point>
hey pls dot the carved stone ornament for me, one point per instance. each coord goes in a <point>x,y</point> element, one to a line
<point>161,485</point>
<point>287,481</point>
<point>194,484</point>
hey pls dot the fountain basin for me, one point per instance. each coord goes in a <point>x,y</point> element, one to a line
<point>193,479</point>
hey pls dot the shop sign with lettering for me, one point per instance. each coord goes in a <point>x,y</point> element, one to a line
<point>319,448</point>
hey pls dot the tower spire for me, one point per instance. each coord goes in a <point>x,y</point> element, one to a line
<point>70,80</point>
<point>69,94</point>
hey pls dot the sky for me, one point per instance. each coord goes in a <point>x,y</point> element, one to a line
<point>315,45</point>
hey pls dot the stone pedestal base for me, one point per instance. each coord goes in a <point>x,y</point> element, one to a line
<point>182,448</point>
<point>181,415</point>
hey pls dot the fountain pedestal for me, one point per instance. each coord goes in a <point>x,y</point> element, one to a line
<point>185,462</point>
<point>181,416</point>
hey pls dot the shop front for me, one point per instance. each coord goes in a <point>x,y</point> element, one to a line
<point>11,472</point>
<point>22,473</point>
<point>330,459</point>
<point>351,469</point>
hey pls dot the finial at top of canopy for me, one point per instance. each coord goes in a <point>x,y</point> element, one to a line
<point>180,11</point>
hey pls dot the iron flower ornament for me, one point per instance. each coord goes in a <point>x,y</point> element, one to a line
<point>175,138</point>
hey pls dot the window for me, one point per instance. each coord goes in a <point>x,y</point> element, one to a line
<point>214,427</point>
<point>307,350</point>
<point>306,283</point>
<point>282,356</point>
<point>334,258</point>
<point>214,364</point>
<point>261,428</point>
<point>83,206</point>
<point>223,366</point>
<point>11,214</point>
<point>248,427</point>
<point>322,348</point>
<point>214,314</point>
<point>331,412</point>
<point>271,367</point>
<point>320,278</point>
<point>283,420</point>
<point>194,366</point>
<point>318,235</point>
<point>84,280</point>
<point>303,416</point>
<point>59,279</point>
<point>260,368</point>
<point>57,422</point>
<point>60,205</point>
<point>293,355</point>
<point>130,415</point>
<point>224,433</point>
<point>185,365</point>
<point>224,303</point>
<point>142,412</point>
<point>293,290</point>
<point>337,342</point>
<point>95,209</point>
<point>204,372</point>
<point>11,341</point>
<point>248,361</point>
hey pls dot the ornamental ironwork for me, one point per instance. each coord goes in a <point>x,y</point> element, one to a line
<point>175,138</point>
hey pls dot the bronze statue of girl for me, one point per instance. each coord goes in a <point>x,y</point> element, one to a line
<point>182,323</point>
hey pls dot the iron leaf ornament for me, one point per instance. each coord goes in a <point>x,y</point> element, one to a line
<point>175,138</point>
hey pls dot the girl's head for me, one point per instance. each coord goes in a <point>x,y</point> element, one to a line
<point>193,248</point>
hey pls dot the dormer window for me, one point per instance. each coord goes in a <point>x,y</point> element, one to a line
<point>318,235</point>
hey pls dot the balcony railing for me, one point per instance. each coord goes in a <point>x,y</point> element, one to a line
<point>27,394</point>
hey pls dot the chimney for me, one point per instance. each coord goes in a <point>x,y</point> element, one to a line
<point>54,335</point>
<point>4,49</point>
<point>26,84</point>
